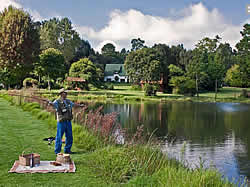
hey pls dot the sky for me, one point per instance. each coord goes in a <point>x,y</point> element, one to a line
<point>171,22</point>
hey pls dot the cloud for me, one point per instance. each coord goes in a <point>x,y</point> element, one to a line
<point>187,26</point>
<point>5,3</point>
<point>35,14</point>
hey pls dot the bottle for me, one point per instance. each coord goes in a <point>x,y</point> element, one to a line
<point>31,160</point>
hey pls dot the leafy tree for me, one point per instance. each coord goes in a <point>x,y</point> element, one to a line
<point>51,65</point>
<point>85,69</point>
<point>143,64</point>
<point>208,44</point>
<point>216,69</point>
<point>233,76</point>
<point>84,50</point>
<point>108,49</point>
<point>196,68</point>
<point>243,57</point>
<point>59,34</point>
<point>137,44</point>
<point>164,53</point>
<point>19,44</point>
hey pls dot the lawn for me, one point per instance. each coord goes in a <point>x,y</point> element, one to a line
<point>20,131</point>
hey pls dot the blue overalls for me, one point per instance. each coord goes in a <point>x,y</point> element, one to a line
<point>62,127</point>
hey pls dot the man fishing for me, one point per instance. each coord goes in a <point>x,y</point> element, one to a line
<point>64,115</point>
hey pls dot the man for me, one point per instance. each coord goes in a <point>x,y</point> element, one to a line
<point>64,115</point>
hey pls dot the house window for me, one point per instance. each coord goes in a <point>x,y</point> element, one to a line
<point>122,80</point>
<point>109,80</point>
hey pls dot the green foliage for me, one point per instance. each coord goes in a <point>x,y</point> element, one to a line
<point>245,93</point>
<point>59,34</point>
<point>51,65</point>
<point>183,85</point>
<point>175,70</point>
<point>121,164</point>
<point>108,49</point>
<point>137,44</point>
<point>43,115</point>
<point>243,58</point>
<point>19,44</point>
<point>171,176</point>
<point>85,140</point>
<point>143,65</point>
<point>150,90</point>
<point>233,76</point>
<point>30,106</point>
<point>110,87</point>
<point>27,82</point>
<point>85,69</point>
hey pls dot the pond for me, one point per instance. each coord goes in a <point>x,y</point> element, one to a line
<point>208,134</point>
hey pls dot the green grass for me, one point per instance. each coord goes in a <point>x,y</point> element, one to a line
<point>20,131</point>
<point>97,164</point>
<point>124,93</point>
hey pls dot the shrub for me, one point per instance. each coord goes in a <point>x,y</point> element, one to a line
<point>150,90</point>
<point>183,85</point>
<point>244,93</point>
<point>30,82</point>
<point>110,87</point>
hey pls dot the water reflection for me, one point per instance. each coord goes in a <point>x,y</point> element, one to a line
<point>217,133</point>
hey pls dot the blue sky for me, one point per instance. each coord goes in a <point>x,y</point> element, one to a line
<point>156,21</point>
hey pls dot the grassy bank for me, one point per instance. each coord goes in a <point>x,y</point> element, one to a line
<point>98,163</point>
<point>125,94</point>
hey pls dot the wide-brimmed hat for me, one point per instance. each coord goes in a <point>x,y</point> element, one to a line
<point>62,91</point>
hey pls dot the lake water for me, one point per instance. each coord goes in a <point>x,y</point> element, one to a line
<point>212,134</point>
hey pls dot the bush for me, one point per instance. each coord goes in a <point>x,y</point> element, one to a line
<point>110,87</point>
<point>183,85</point>
<point>30,82</point>
<point>188,87</point>
<point>244,93</point>
<point>150,90</point>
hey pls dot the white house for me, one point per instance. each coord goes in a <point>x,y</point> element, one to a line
<point>115,73</point>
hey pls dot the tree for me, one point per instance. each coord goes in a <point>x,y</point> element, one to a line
<point>144,65</point>
<point>59,34</point>
<point>233,76</point>
<point>19,43</point>
<point>108,49</point>
<point>85,69</point>
<point>137,44</point>
<point>51,65</point>
<point>216,69</point>
<point>243,56</point>
<point>196,68</point>
<point>84,50</point>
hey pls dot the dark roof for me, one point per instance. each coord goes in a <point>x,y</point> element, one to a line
<point>111,69</point>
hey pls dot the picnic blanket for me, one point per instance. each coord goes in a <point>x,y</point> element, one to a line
<point>44,167</point>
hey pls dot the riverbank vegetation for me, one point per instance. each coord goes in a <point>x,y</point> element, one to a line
<point>98,162</point>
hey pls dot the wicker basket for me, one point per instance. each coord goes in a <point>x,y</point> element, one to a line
<point>63,158</point>
<point>24,160</point>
